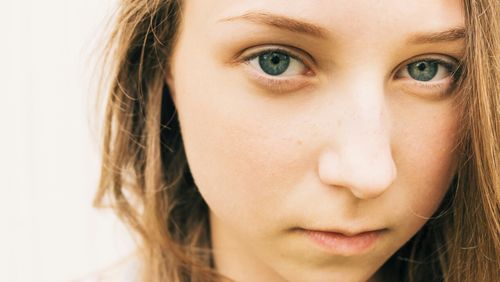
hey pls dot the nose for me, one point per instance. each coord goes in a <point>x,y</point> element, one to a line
<point>358,157</point>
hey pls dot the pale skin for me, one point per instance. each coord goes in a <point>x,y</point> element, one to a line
<point>343,140</point>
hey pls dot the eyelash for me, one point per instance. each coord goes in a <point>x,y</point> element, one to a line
<point>282,84</point>
<point>452,68</point>
<point>274,49</point>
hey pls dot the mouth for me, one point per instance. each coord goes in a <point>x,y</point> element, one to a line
<point>344,243</point>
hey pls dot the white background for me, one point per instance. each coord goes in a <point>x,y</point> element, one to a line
<point>49,151</point>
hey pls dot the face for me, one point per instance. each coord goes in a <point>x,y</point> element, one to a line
<point>320,133</point>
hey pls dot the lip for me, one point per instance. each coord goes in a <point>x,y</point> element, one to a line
<point>344,243</point>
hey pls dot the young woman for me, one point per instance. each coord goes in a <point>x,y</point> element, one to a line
<point>306,140</point>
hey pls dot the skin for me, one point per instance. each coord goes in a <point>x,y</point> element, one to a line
<point>343,144</point>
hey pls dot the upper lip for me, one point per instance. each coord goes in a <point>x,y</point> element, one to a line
<point>348,233</point>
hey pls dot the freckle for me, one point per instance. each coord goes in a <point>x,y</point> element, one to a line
<point>299,142</point>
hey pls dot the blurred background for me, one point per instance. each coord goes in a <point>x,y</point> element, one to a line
<point>49,149</point>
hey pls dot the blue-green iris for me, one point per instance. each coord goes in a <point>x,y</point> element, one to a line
<point>423,70</point>
<point>274,63</point>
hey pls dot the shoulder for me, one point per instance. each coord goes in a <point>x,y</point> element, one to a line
<point>125,270</point>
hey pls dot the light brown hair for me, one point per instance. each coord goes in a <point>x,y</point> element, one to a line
<point>146,180</point>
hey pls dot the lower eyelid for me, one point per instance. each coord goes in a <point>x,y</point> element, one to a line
<point>437,89</point>
<point>431,85</point>
<point>279,84</point>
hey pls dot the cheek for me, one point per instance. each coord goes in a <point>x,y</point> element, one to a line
<point>242,158</point>
<point>425,160</point>
<point>242,167</point>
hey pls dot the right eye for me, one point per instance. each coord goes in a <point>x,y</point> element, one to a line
<point>277,63</point>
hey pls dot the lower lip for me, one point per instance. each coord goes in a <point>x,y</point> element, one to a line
<point>340,244</point>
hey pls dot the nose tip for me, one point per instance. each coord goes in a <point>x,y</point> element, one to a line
<point>365,177</point>
<point>374,183</point>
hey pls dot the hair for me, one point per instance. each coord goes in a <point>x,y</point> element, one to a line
<point>146,180</point>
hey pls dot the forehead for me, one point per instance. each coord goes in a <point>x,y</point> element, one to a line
<point>342,18</point>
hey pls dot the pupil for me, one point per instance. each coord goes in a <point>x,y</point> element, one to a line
<point>421,66</point>
<point>275,60</point>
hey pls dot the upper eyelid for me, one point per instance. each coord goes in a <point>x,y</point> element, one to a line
<point>430,57</point>
<point>293,52</point>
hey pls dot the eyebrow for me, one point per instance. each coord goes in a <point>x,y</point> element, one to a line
<point>449,35</point>
<point>300,26</point>
<point>282,22</point>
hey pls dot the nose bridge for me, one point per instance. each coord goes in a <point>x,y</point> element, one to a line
<point>361,159</point>
<point>365,105</point>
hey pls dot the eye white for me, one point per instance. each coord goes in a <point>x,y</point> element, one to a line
<point>295,67</point>
<point>442,73</point>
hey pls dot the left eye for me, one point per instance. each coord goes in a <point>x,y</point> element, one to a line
<point>277,63</point>
<point>427,70</point>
